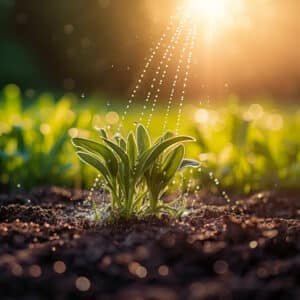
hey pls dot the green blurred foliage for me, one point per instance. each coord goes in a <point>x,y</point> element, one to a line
<point>247,147</point>
<point>35,142</point>
<point>251,148</point>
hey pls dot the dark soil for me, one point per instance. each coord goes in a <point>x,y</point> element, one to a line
<point>49,249</point>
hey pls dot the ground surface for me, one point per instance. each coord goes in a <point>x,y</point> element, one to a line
<point>246,250</point>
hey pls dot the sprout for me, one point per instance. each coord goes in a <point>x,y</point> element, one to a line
<point>136,171</point>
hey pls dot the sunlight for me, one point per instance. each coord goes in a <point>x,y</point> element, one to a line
<point>214,14</point>
<point>211,9</point>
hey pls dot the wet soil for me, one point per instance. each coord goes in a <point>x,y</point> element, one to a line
<point>50,248</point>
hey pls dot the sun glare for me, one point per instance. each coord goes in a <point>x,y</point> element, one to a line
<point>211,9</point>
<point>214,14</point>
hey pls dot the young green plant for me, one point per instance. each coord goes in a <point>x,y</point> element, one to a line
<point>136,172</point>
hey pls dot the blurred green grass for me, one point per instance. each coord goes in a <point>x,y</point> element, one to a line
<point>248,147</point>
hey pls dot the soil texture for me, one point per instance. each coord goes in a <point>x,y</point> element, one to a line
<point>50,248</point>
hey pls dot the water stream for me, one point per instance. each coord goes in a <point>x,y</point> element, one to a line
<point>179,37</point>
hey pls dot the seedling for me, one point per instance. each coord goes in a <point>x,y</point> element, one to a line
<point>136,172</point>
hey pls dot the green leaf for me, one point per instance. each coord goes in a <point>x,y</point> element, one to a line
<point>119,151</point>
<point>102,132</point>
<point>121,178</point>
<point>164,137</point>
<point>93,161</point>
<point>125,160</point>
<point>158,149</point>
<point>99,149</point>
<point>120,141</point>
<point>186,163</point>
<point>143,139</point>
<point>159,176</point>
<point>173,162</point>
<point>168,135</point>
<point>131,148</point>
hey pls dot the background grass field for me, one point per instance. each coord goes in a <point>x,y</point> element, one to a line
<point>248,146</point>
